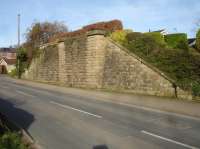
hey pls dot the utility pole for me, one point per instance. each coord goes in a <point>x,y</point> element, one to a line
<point>18,23</point>
<point>18,45</point>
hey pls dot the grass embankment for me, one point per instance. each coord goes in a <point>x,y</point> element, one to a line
<point>170,54</point>
<point>9,139</point>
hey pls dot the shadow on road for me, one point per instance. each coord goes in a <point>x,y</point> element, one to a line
<point>19,116</point>
<point>100,147</point>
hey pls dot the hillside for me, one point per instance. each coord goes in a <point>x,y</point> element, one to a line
<point>170,54</point>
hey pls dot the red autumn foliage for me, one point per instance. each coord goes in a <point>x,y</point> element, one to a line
<point>110,26</point>
<point>107,26</point>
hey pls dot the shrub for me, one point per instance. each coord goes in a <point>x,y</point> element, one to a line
<point>133,36</point>
<point>120,36</point>
<point>198,40</point>
<point>181,66</point>
<point>111,26</point>
<point>11,141</point>
<point>196,89</point>
<point>142,43</point>
<point>177,41</point>
<point>13,73</point>
<point>22,61</point>
<point>158,37</point>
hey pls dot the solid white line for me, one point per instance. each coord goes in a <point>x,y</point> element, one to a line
<point>169,140</point>
<point>23,93</point>
<point>68,107</point>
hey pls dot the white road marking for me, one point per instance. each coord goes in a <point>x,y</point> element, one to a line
<point>23,93</point>
<point>169,140</point>
<point>5,87</point>
<point>68,107</point>
<point>158,111</point>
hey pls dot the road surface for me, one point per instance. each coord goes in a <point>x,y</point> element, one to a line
<point>67,121</point>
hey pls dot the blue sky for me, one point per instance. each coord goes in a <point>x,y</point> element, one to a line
<point>138,15</point>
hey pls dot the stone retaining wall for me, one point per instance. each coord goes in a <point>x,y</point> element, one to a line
<point>44,67</point>
<point>94,61</point>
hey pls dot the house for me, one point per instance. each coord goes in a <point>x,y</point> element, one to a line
<point>192,42</point>
<point>162,32</point>
<point>7,60</point>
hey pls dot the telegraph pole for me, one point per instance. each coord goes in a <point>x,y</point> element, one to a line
<point>18,23</point>
<point>18,45</point>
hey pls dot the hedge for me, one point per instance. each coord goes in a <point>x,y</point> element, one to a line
<point>110,26</point>
<point>144,42</point>
<point>177,41</point>
<point>180,65</point>
<point>120,36</point>
<point>158,37</point>
<point>196,89</point>
<point>133,36</point>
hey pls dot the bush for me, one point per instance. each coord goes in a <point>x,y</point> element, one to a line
<point>22,61</point>
<point>181,66</point>
<point>177,41</point>
<point>120,36</point>
<point>11,141</point>
<point>198,40</point>
<point>158,37</point>
<point>110,26</point>
<point>133,36</point>
<point>13,73</point>
<point>196,89</point>
<point>142,43</point>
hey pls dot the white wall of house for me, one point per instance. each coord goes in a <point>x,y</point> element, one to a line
<point>8,67</point>
<point>3,63</point>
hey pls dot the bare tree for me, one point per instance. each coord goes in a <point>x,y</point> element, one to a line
<point>40,32</point>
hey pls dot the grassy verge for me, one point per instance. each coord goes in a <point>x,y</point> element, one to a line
<point>10,139</point>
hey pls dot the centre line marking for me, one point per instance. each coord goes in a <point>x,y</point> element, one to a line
<point>169,140</point>
<point>68,107</point>
<point>5,87</point>
<point>23,93</point>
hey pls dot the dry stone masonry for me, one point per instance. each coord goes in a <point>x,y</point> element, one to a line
<point>94,61</point>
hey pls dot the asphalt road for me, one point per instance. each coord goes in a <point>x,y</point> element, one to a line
<point>68,121</point>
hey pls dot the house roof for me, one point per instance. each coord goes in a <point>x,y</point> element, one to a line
<point>161,30</point>
<point>8,50</point>
<point>192,41</point>
<point>3,62</point>
<point>8,61</point>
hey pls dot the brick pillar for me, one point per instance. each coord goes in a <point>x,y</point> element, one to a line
<point>95,58</point>
<point>61,63</point>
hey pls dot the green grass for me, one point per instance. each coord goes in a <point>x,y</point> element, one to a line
<point>11,140</point>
